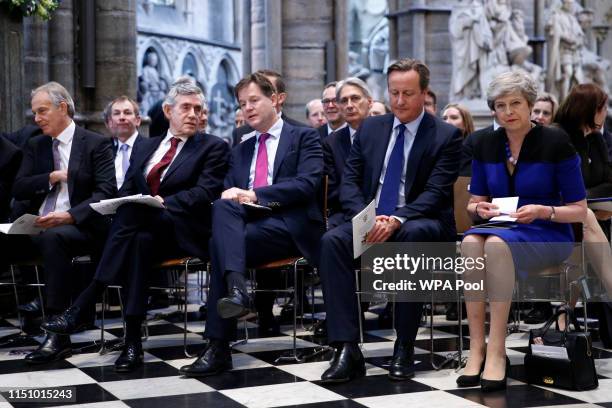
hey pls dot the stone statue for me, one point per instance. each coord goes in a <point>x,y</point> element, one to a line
<point>594,67</point>
<point>154,87</point>
<point>565,40</point>
<point>472,42</point>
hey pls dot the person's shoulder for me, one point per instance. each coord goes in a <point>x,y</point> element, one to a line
<point>90,134</point>
<point>553,134</point>
<point>210,139</point>
<point>301,131</point>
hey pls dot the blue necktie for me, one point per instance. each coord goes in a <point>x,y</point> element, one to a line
<point>389,193</point>
<point>125,159</point>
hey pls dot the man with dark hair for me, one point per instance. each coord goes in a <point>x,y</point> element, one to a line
<point>407,162</point>
<point>184,171</point>
<point>62,172</point>
<point>279,167</point>
<point>239,134</point>
<point>332,112</point>
<point>122,119</point>
<point>431,102</point>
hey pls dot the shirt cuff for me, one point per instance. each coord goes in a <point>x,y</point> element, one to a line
<point>400,219</point>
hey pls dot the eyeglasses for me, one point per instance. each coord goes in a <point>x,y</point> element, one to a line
<point>328,101</point>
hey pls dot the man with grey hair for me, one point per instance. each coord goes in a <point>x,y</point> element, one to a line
<point>63,171</point>
<point>184,171</point>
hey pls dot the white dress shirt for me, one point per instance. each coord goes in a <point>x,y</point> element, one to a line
<point>409,136</point>
<point>65,146</point>
<point>330,130</point>
<point>119,170</point>
<point>271,146</point>
<point>163,147</point>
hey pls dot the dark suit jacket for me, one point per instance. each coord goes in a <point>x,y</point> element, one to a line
<point>467,151</point>
<point>91,174</point>
<point>431,169</point>
<point>322,131</point>
<point>20,137</point>
<point>137,141</point>
<point>10,160</point>
<point>237,133</point>
<point>193,181</point>
<point>336,148</point>
<point>159,124</point>
<point>298,169</point>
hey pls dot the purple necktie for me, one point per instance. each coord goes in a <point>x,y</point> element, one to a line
<point>261,164</point>
<point>52,195</point>
<point>125,159</point>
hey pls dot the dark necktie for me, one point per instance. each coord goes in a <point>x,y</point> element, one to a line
<point>154,176</point>
<point>389,193</point>
<point>55,190</point>
<point>261,163</point>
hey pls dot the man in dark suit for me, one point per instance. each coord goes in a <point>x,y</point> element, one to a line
<point>10,160</point>
<point>355,100</point>
<point>62,172</point>
<point>184,171</point>
<point>122,119</point>
<point>20,137</point>
<point>277,81</point>
<point>333,114</point>
<point>406,161</point>
<point>279,167</point>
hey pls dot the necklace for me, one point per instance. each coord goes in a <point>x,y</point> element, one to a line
<point>509,156</point>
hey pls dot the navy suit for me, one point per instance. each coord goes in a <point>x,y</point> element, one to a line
<point>430,172</point>
<point>140,235</point>
<point>323,131</point>
<point>243,238</point>
<point>336,149</point>
<point>10,160</point>
<point>91,178</point>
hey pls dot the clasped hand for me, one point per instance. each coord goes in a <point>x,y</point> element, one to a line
<point>384,227</point>
<point>54,219</point>
<point>239,195</point>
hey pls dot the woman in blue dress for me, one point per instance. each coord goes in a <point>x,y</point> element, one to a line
<point>540,166</point>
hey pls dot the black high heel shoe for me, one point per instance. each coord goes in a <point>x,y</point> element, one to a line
<point>495,385</point>
<point>471,380</point>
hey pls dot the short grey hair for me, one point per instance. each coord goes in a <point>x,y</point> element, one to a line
<point>58,94</point>
<point>310,103</point>
<point>354,81</point>
<point>184,85</point>
<point>510,82</point>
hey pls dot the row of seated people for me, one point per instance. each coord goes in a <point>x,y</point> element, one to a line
<point>406,161</point>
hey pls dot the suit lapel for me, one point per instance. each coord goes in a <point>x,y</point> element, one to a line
<point>421,141</point>
<point>345,142</point>
<point>190,148</point>
<point>283,147</point>
<point>247,150</point>
<point>380,148</point>
<point>74,162</point>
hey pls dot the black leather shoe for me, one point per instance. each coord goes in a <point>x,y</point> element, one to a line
<point>320,328</point>
<point>495,385</point>
<point>348,363</point>
<point>471,380</point>
<point>66,322</point>
<point>55,347</point>
<point>33,308</point>
<point>540,313</point>
<point>236,304</point>
<point>402,363</point>
<point>131,357</point>
<point>214,359</point>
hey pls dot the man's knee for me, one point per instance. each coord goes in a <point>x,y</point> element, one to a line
<point>221,206</point>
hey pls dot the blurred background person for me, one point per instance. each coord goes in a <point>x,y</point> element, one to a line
<point>314,113</point>
<point>239,118</point>
<point>544,109</point>
<point>335,120</point>
<point>431,102</point>
<point>379,108</point>
<point>460,117</point>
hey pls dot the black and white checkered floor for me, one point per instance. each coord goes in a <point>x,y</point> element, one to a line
<point>257,382</point>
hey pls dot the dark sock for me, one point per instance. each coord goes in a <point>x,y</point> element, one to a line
<point>87,298</point>
<point>133,326</point>
<point>236,279</point>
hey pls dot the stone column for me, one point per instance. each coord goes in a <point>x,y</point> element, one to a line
<point>266,34</point>
<point>61,46</point>
<point>11,80</point>
<point>36,53</point>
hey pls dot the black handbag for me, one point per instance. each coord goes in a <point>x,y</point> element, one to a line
<point>577,372</point>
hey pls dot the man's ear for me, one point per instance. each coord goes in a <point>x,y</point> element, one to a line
<point>63,106</point>
<point>281,99</point>
<point>167,109</point>
<point>275,100</point>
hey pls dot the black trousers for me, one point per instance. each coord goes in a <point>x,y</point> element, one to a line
<point>241,238</point>
<point>139,237</point>
<point>338,279</point>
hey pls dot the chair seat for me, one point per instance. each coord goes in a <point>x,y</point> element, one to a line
<point>175,262</point>
<point>283,263</point>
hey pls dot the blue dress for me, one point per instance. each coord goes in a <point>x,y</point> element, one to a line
<point>547,173</point>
